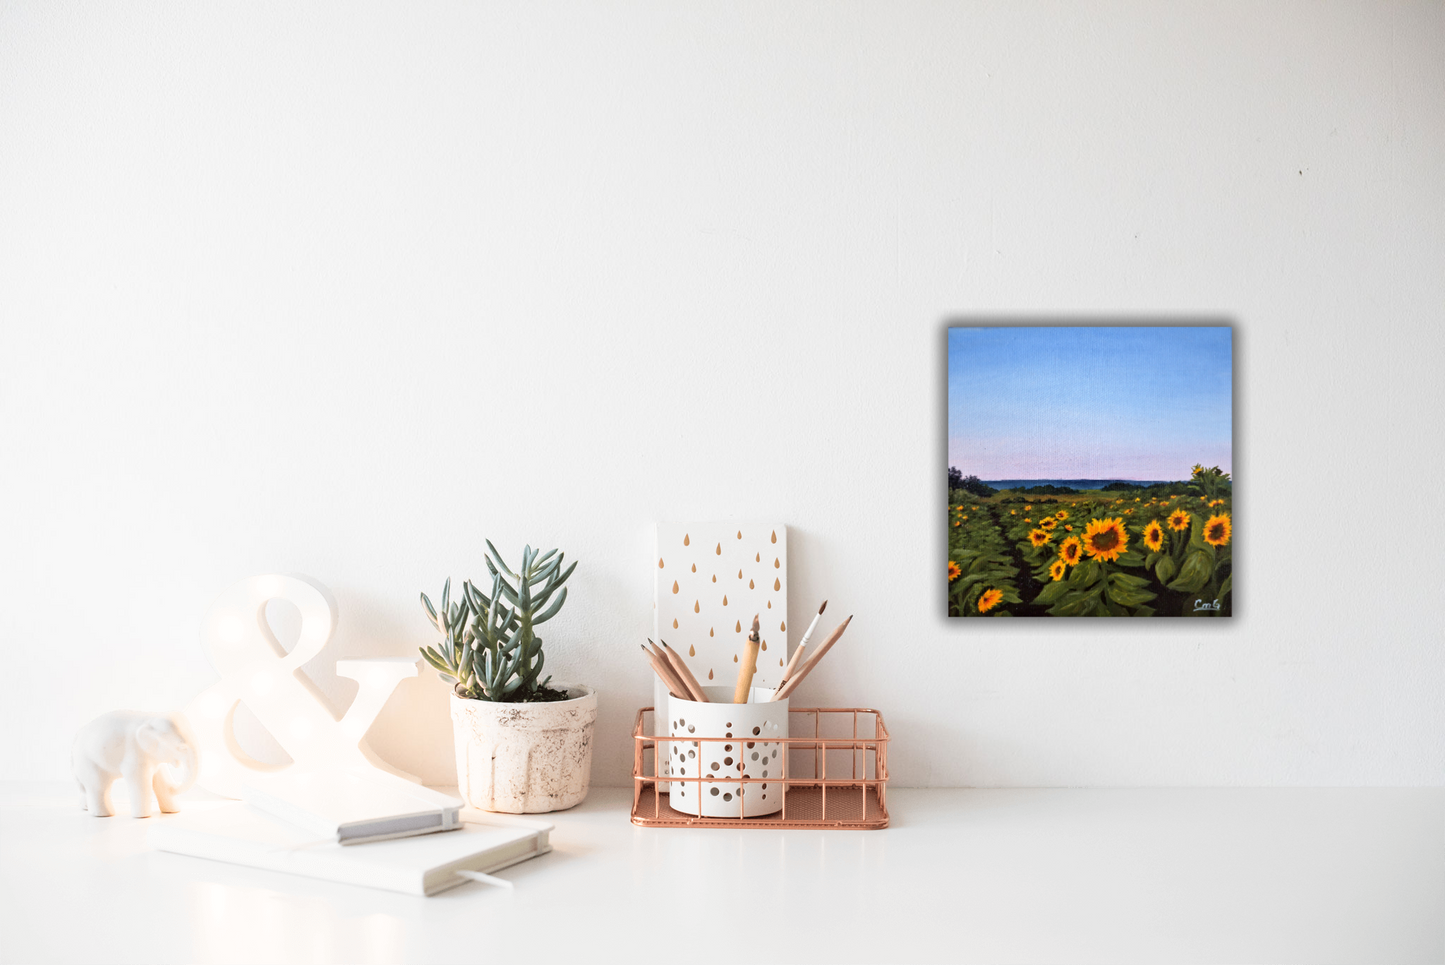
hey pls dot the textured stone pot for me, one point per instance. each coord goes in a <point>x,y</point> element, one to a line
<point>525,758</point>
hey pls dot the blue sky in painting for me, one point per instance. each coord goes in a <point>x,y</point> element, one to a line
<point>1089,403</point>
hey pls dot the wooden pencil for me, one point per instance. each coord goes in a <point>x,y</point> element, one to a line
<point>812,661</point>
<point>788,671</point>
<point>684,674</point>
<point>663,671</point>
<point>747,665</point>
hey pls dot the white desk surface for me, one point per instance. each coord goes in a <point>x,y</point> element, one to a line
<point>1180,875</point>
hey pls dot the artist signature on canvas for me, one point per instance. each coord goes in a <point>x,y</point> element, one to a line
<point>1201,605</point>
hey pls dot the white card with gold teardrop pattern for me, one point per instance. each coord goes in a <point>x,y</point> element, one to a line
<point>711,579</point>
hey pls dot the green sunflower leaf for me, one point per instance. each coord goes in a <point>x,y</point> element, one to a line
<point>1166,569</point>
<point>1195,574</point>
<point>1052,593</point>
<point>1130,596</point>
<point>1085,574</point>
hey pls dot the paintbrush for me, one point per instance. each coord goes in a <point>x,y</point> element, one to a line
<point>684,674</point>
<point>747,665</point>
<point>812,661</point>
<point>664,672</point>
<point>798,653</point>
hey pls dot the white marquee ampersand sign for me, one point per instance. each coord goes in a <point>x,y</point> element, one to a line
<point>257,671</point>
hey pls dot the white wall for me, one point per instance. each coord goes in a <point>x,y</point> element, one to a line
<point>342,290</point>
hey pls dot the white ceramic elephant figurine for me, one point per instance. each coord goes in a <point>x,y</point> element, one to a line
<point>132,745</point>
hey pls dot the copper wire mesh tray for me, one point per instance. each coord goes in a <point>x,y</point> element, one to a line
<point>834,739</point>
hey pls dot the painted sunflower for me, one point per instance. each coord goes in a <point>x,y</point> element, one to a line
<point>989,600</point>
<point>1154,535</point>
<point>953,571</point>
<point>1062,514</point>
<point>1105,539</point>
<point>1179,520</point>
<point>1071,551</point>
<point>1038,537</point>
<point>1218,530</point>
<point>1048,523</point>
<point>1057,569</point>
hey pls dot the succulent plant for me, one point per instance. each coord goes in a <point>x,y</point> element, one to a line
<point>489,644</point>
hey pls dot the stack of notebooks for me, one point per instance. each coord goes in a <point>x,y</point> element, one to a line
<point>373,830</point>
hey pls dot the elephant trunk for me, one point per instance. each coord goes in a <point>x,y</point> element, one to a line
<point>187,761</point>
<point>184,770</point>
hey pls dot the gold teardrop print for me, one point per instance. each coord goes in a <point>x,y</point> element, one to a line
<point>695,608</point>
<point>775,536</point>
<point>739,628</point>
<point>758,558</point>
<point>777,564</point>
<point>777,584</point>
<point>674,586</point>
<point>783,626</point>
<point>659,562</point>
<point>765,644</point>
<point>685,540</point>
<point>750,585</point>
<point>709,633</point>
<point>692,651</point>
<point>694,567</point>
<point>719,549</point>
<point>780,662</point>
<point>674,623</point>
<point>740,534</point>
<point>770,604</point>
<point>740,574</point>
<point>725,599</point>
<point>714,577</point>
<point>709,675</point>
<point>735,658</point>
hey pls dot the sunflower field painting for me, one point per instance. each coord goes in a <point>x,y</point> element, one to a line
<point>1090,471</point>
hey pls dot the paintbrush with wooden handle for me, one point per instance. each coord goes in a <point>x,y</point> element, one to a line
<point>747,665</point>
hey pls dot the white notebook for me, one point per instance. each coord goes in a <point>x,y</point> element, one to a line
<point>353,808</point>
<point>419,865</point>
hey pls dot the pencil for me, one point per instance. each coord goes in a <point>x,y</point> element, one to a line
<point>684,674</point>
<point>747,665</point>
<point>665,673</point>
<point>788,672</point>
<point>812,661</point>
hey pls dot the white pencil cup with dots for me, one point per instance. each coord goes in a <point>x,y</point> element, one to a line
<point>747,745</point>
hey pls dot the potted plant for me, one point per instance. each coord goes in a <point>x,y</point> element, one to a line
<point>522,745</point>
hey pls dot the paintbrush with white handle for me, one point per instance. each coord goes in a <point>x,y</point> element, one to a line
<point>807,668</point>
<point>798,653</point>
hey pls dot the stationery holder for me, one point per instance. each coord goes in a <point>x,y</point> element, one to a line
<point>834,774</point>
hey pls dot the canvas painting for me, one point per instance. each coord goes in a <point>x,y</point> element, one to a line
<point>1090,471</point>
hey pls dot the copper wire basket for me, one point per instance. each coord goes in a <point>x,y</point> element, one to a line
<point>812,797</point>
